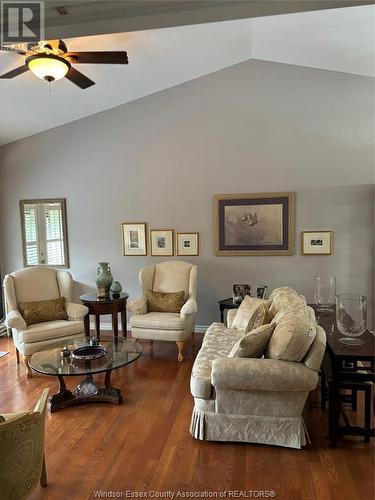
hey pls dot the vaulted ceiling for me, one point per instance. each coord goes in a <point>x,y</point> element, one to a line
<point>337,40</point>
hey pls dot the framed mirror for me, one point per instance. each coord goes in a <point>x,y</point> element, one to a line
<point>44,232</point>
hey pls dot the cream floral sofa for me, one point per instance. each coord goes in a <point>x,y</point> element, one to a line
<point>258,400</point>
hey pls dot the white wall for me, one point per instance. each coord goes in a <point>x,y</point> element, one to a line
<point>254,127</point>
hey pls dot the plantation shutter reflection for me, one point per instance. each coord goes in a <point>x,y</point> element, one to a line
<point>31,235</point>
<point>44,235</point>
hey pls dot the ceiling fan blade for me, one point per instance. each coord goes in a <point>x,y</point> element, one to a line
<point>79,78</point>
<point>15,72</point>
<point>103,57</point>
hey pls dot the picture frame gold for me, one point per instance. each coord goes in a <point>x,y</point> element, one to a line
<point>156,237</point>
<point>180,250</point>
<point>126,244</point>
<point>287,220</point>
<point>322,243</point>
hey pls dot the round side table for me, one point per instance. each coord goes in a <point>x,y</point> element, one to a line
<point>108,305</point>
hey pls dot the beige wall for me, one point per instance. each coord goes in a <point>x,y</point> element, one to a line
<point>254,127</point>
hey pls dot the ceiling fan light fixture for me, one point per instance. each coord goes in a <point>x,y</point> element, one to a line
<point>48,66</point>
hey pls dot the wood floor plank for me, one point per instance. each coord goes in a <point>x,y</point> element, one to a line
<point>144,444</point>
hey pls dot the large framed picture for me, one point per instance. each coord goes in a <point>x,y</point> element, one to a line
<point>134,240</point>
<point>187,243</point>
<point>254,224</point>
<point>316,242</point>
<point>161,241</point>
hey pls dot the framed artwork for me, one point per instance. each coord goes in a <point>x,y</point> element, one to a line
<point>254,224</point>
<point>134,241</point>
<point>161,241</point>
<point>187,243</point>
<point>316,242</point>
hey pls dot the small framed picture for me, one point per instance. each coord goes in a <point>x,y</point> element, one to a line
<point>187,243</point>
<point>134,241</point>
<point>316,242</point>
<point>161,241</point>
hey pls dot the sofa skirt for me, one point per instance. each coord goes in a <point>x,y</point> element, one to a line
<point>279,431</point>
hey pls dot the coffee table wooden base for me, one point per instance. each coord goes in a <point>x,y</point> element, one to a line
<point>85,392</point>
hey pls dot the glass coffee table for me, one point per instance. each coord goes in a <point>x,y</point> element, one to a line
<point>58,360</point>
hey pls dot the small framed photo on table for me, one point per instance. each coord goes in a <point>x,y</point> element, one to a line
<point>187,243</point>
<point>161,241</point>
<point>134,241</point>
<point>316,242</point>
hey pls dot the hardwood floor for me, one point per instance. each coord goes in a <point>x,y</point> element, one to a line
<point>144,444</point>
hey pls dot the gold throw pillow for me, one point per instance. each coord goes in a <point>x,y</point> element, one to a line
<point>43,310</point>
<point>262,316</point>
<point>165,301</point>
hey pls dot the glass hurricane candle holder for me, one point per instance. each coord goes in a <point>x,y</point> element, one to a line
<point>351,316</point>
<point>324,293</point>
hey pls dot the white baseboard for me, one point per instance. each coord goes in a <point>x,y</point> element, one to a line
<point>108,326</point>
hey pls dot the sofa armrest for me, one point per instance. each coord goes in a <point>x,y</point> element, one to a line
<point>231,313</point>
<point>14,320</point>
<point>76,312</point>
<point>190,307</point>
<point>137,307</point>
<point>254,374</point>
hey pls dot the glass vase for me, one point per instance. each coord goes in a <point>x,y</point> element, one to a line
<point>351,316</point>
<point>325,293</point>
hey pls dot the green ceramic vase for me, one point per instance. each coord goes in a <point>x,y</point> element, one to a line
<point>103,279</point>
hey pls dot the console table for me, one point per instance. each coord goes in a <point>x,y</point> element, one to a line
<point>347,367</point>
<point>109,305</point>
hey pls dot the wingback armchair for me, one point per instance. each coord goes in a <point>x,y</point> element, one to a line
<point>172,276</point>
<point>37,284</point>
<point>22,451</point>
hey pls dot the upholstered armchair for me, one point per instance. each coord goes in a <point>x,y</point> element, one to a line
<point>22,451</point>
<point>37,284</point>
<point>172,276</point>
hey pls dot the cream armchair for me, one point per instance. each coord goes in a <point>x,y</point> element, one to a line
<point>172,276</point>
<point>22,451</point>
<point>35,284</point>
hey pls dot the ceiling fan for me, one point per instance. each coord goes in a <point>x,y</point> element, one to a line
<point>50,61</point>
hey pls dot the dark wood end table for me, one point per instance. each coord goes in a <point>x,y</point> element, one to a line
<point>226,304</point>
<point>109,305</point>
<point>346,366</point>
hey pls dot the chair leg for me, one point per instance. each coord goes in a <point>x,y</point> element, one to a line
<point>17,355</point>
<point>43,476</point>
<point>192,338</point>
<point>29,372</point>
<point>181,346</point>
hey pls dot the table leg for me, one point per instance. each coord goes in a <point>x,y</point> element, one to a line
<point>63,398</point>
<point>334,410</point>
<point>97,326</point>
<point>221,313</point>
<point>124,322</point>
<point>115,321</point>
<point>86,322</point>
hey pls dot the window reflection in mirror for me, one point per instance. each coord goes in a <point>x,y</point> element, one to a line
<point>44,232</point>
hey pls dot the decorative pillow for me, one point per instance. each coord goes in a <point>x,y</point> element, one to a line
<point>293,336</point>
<point>43,310</point>
<point>247,313</point>
<point>262,317</point>
<point>165,301</point>
<point>253,344</point>
<point>283,300</point>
